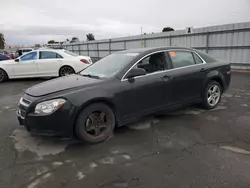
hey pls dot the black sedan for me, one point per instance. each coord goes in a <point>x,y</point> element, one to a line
<point>121,88</point>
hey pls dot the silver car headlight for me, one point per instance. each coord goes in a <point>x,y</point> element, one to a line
<point>48,107</point>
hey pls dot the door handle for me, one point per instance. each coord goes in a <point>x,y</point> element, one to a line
<point>202,70</point>
<point>167,78</point>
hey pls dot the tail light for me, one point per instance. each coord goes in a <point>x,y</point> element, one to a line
<point>84,61</point>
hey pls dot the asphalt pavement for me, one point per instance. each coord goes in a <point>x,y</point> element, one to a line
<point>187,148</point>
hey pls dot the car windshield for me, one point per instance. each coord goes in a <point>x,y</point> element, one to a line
<point>109,65</point>
<point>70,53</point>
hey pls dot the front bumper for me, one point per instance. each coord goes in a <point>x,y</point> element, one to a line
<point>58,123</point>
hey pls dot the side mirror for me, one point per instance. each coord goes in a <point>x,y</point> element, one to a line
<point>16,60</point>
<point>136,72</point>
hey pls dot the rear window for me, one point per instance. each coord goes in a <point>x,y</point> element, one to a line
<point>206,57</point>
<point>197,59</point>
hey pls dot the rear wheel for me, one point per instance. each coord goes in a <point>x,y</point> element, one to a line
<point>3,75</point>
<point>95,123</point>
<point>66,70</point>
<point>212,95</point>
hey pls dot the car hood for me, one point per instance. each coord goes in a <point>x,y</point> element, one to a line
<point>5,62</point>
<point>60,84</point>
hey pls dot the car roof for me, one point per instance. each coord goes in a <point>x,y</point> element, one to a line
<point>152,49</point>
<point>49,49</point>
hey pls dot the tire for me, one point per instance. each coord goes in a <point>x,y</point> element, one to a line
<point>66,70</point>
<point>213,90</point>
<point>3,75</point>
<point>86,127</point>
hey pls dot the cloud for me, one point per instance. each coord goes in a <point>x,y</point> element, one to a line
<point>28,21</point>
<point>104,28</point>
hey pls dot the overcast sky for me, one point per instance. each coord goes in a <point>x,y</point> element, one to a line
<point>37,21</point>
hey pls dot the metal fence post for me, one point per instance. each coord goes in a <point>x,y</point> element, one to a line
<point>125,45</point>
<point>207,42</point>
<point>144,41</point>
<point>109,46</point>
<point>88,48</point>
<point>79,51</point>
<point>98,54</point>
<point>170,40</point>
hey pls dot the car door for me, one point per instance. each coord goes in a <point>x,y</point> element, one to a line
<point>49,63</point>
<point>145,94</point>
<point>25,66</point>
<point>188,76</point>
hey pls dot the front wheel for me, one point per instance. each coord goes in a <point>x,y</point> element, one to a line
<point>212,95</point>
<point>3,75</point>
<point>95,123</point>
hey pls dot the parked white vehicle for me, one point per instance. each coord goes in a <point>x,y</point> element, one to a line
<point>43,63</point>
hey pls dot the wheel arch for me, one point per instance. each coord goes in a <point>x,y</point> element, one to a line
<point>219,80</point>
<point>5,72</point>
<point>106,101</point>
<point>216,76</point>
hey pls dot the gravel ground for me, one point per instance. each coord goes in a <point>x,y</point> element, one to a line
<point>188,148</point>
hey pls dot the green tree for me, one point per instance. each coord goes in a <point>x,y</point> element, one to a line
<point>74,39</point>
<point>90,37</point>
<point>166,29</point>
<point>51,42</point>
<point>2,41</point>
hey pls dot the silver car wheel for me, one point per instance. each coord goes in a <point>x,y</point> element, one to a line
<point>213,95</point>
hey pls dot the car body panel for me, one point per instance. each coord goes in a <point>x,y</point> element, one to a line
<point>61,84</point>
<point>43,67</point>
<point>149,92</point>
<point>20,70</point>
<point>189,80</point>
<point>130,99</point>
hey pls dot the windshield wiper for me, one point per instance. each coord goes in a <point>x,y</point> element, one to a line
<point>90,76</point>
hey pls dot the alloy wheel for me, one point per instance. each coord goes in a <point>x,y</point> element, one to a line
<point>213,95</point>
<point>2,76</point>
<point>96,123</point>
<point>66,71</point>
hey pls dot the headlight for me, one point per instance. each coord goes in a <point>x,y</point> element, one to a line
<point>50,106</point>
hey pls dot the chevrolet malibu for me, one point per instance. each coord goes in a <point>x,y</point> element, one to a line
<point>120,89</point>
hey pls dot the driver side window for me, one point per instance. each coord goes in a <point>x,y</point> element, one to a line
<point>153,63</point>
<point>28,57</point>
